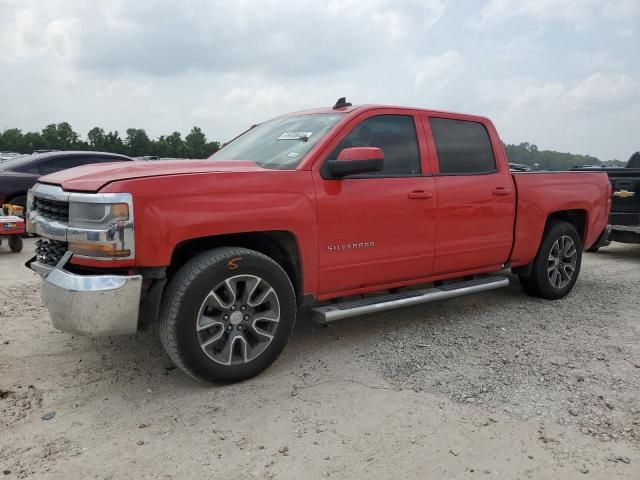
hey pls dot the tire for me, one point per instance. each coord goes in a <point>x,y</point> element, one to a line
<point>557,265</point>
<point>207,334</point>
<point>15,243</point>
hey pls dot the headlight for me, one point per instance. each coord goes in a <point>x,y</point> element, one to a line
<point>101,225</point>
<point>96,215</point>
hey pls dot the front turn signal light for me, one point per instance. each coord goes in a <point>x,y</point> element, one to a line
<point>98,250</point>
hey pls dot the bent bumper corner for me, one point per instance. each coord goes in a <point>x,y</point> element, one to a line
<point>96,305</point>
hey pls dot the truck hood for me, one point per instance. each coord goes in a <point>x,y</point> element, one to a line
<point>91,178</point>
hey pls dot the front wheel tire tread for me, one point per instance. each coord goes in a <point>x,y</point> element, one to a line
<point>206,269</point>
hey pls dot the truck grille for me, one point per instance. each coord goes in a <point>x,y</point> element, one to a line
<point>50,251</point>
<point>51,209</point>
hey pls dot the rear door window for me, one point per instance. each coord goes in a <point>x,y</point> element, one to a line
<point>463,147</point>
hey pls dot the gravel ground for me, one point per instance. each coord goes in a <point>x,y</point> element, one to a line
<point>495,385</point>
<point>575,361</point>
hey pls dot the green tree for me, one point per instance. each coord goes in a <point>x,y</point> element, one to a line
<point>96,138</point>
<point>13,141</point>
<point>212,147</point>
<point>160,147</point>
<point>196,143</point>
<point>60,136</point>
<point>176,145</point>
<point>137,142</point>
<point>113,143</point>
<point>33,141</point>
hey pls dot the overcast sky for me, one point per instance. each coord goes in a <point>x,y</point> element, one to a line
<point>564,74</point>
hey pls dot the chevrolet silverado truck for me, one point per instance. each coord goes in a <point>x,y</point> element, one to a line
<point>624,219</point>
<point>336,212</point>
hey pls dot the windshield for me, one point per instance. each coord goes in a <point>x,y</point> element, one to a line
<point>280,143</point>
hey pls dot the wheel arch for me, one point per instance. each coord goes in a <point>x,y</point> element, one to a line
<point>280,245</point>
<point>578,218</point>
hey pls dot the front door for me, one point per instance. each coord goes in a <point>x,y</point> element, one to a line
<point>377,228</point>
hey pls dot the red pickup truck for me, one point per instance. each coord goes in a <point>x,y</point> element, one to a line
<point>312,209</point>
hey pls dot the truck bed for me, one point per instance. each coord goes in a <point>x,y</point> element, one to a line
<point>538,195</point>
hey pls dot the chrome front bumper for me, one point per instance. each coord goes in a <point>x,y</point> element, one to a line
<point>95,305</point>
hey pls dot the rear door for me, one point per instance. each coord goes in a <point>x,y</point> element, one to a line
<point>377,228</point>
<point>476,195</point>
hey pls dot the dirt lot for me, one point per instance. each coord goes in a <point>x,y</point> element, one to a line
<point>495,385</point>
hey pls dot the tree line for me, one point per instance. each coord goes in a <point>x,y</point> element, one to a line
<point>529,154</point>
<point>136,143</point>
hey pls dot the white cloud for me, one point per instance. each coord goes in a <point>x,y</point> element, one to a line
<point>545,97</point>
<point>165,65</point>
<point>603,89</point>
<point>595,91</point>
<point>597,115</point>
<point>579,12</point>
<point>437,69</point>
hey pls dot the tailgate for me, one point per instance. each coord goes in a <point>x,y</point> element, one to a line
<point>626,191</point>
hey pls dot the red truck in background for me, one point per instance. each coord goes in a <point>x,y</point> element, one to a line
<point>309,209</point>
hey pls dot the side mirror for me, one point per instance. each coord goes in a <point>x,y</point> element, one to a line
<point>357,160</point>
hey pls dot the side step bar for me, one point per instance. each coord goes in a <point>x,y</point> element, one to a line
<point>338,311</point>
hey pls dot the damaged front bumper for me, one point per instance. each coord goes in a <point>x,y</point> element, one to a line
<point>95,305</point>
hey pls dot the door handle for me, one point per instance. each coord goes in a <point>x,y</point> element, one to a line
<point>420,195</point>
<point>501,191</point>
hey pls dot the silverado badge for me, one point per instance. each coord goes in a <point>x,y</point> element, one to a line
<point>350,246</point>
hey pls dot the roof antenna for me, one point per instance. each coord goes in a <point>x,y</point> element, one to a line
<point>342,102</point>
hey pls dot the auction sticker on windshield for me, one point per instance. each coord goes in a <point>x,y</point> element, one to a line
<point>295,135</point>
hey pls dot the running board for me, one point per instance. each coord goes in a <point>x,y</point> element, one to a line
<point>338,311</point>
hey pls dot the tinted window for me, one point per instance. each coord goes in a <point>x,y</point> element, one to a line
<point>31,167</point>
<point>395,135</point>
<point>62,163</point>
<point>462,146</point>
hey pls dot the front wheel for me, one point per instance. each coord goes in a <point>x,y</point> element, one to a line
<point>227,314</point>
<point>557,265</point>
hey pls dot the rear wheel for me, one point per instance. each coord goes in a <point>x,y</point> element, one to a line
<point>557,265</point>
<point>15,243</point>
<point>227,314</point>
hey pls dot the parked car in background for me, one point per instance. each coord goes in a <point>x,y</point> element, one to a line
<point>518,167</point>
<point>4,156</point>
<point>624,219</point>
<point>19,174</point>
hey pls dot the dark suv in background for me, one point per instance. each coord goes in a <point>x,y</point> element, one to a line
<point>20,174</point>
